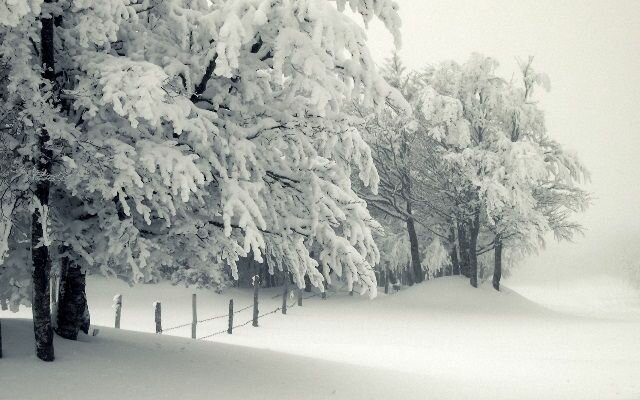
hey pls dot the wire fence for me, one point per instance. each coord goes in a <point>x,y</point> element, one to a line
<point>195,321</point>
<point>293,304</point>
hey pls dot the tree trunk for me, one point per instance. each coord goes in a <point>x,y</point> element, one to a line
<point>473,244</point>
<point>463,246</point>
<point>73,312</point>
<point>497,268</point>
<point>285,287</point>
<point>41,304</point>
<point>455,263</point>
<point>415,251</point>
<point>307,284</point>
<point>453,253</point>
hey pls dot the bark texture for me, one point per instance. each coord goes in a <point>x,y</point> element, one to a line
<point>418,275</point>
<point>463,246</point>
<point>41,303</point>
<point>497,267</point>
<point>453,253</point>
<point>473,245</point>
<point>73,311</point>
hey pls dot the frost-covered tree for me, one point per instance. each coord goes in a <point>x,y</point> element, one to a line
<point>473,166</point>
<point>181,135</point>
<point>400,152</point>
<point>507,175</point>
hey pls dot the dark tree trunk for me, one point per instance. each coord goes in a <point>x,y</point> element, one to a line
<point>415,252</point>
<point>41,304</point>
<point>473,244</point>
<point>73,311</point>
<point>386,279</point>
<point>455,264</point>
<point>285,293</point>
<point>307,283</point>
<point>41,301</point>
<point>497,268</point>
<point>463,246</point>
<point>453,253</point>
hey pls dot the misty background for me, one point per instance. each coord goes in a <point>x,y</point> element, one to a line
<point>591,52</point>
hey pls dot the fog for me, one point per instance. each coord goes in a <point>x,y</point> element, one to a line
<point>591,52</point>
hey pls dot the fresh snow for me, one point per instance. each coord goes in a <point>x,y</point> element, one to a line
<point>441,339</point>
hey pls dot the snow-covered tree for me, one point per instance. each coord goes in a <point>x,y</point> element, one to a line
<point>473,166</point>
<point>492,137</point>
<point>400,152</point>
<point>182,135</point>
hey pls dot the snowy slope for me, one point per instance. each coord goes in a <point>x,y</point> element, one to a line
<point>441,339</point>
<point>127,365</point>
<point>595,295</point>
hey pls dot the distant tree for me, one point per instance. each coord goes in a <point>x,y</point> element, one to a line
<point>473,166</point>
<point>399,151</point>
<point>507,173</point>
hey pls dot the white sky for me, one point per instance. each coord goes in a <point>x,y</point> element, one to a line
<point>591,51</point>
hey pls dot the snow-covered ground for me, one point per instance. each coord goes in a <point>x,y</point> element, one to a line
<point>441,340</point>
<point>596,295</point>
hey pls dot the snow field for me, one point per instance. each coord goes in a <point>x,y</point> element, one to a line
<point>442,340</point>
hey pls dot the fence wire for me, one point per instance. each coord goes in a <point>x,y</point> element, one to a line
<point>226,315</point>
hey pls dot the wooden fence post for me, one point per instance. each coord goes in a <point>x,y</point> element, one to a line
<point>299,297</point>
<point>194,321</point>
<point>284,297</point>
<point>230,328</point>
<point>158,316</point>
<point>256,288</point>
<point>117,305</point>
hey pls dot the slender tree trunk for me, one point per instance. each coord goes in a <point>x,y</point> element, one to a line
<point>386,279</point>
<point>463,246</point>
<point>497,268</point>
<point>453,253</point>
<point>455,264</point>
<point>73,312</point>
<point>41,304</point>
<point>473,244</point>
<point>415,251</point>
<point>285,293</point>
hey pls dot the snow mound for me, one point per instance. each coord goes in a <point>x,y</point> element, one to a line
<point>455,294</point>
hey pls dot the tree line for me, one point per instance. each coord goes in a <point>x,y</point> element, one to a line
<point>470,173</point>
<point>175,139</point>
